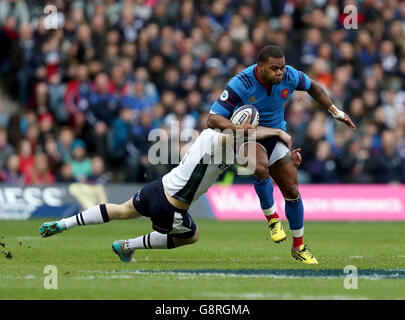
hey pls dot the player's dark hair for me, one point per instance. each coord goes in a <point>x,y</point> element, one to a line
<point>269,51</point>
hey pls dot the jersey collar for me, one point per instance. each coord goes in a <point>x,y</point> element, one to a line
<point>268,87</point>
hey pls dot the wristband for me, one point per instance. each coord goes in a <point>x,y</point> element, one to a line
<point>336,113</point>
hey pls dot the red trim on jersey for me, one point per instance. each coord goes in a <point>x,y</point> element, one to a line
<point>268,87</point>
<point>257,76</point>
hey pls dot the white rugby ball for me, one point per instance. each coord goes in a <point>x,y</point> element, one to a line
<point>241,114</point>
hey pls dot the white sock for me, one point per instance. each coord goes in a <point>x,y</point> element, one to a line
<point>94,215</point>
<point>153,240</point>
<point>270,211</point>
<point>297,233</point>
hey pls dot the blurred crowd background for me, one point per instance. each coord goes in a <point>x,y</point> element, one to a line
<point>88,93</point>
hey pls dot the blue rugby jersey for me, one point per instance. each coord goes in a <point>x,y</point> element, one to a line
<point>246,88</point>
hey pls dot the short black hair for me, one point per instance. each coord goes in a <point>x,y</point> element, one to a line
<point>269,51</point>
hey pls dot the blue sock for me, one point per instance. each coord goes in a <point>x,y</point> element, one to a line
<point>294,211</point>
<point>264,189</point>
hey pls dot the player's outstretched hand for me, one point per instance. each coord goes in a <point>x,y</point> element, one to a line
<point>348,122</point>
<point>296,155</point>
<point>341,116</point>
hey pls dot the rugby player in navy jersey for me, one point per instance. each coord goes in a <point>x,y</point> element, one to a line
<point>267,85</point>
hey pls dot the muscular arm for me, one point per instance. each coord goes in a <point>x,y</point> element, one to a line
<point>261,133</point>
<point>320,96</point>
<point>264,132</point>
<point>215,121</point>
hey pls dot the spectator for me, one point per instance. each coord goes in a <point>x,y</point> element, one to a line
<point>77,97</point>
<point>315,133</point>
<point>119,135</point>
<point>65,143</point>
<point>97,172</point>
<point>46,128</point>
<point>129,25</point>
<point>139,146</point>
<point>26,158</point>
<point>56,91</point>
<point>65,174</point>
<point>14,8</point>
<point>103,109</point>
<point>10,173</point>
<point>322,167</point>
<point>41,173</point>
<point>51,150</point>
<point>180,115</point>
<point>220,17</point>
<point>137,98</point>
<point>6,150</point>
<point>81,164</point>
<point>392,166</point>
<point>25,61</point>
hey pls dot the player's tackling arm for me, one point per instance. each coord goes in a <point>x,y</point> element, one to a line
<point>320,96</point>
<point>264,132</point>
<point>216,121</point>
<point>260,133</point>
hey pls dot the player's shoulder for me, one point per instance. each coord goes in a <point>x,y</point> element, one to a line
<point>290,73</point>
<point>244,80</point>
<point>296,78</point>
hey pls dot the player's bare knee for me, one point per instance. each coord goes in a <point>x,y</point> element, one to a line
<point>191,240</point>
<point>194,238</point>
<point>127,210</point>
<point>291,191</point>
<point>262,169</point>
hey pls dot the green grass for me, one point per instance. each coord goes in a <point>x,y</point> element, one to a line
<point>88,269</point>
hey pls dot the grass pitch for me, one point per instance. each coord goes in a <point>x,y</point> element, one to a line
<point>232,260</point>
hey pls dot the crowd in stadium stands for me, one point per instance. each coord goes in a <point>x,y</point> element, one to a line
<point>90,91</point>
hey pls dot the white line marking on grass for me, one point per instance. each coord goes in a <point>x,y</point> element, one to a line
<point>27,277</point>
<point>356,257</point>
<point>271,295</point>
<point>376,274</point>
<point>28,238</point>
<point>102,277</point>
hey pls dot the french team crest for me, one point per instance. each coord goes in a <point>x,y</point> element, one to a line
<point>285,93</point>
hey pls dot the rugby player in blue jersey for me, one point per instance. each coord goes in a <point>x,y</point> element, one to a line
<point>267,85</point>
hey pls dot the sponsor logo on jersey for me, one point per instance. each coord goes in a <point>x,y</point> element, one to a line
<point>224,95</point>
<point>285,93</point>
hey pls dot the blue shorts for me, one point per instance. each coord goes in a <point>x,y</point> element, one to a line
<point>151,202</point>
